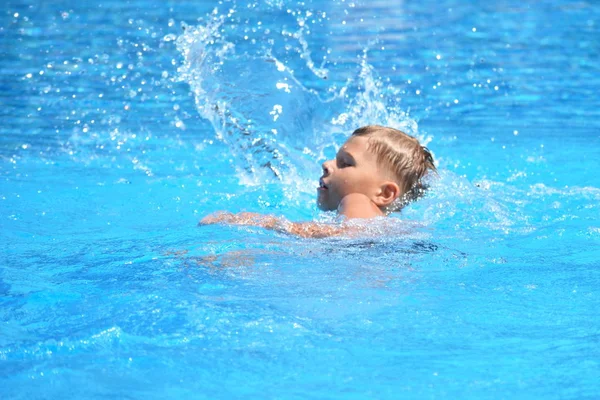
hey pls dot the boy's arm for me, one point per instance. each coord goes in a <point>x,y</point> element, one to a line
<point>302,229</point>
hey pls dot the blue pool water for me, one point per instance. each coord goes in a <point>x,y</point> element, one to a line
<point>124,123</point>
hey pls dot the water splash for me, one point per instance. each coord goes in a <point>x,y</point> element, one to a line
<point>253,103</point>
<point>269,100</point>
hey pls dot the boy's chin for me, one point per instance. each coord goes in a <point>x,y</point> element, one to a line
<point>324,206</point>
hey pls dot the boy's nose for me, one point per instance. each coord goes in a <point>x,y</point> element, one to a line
<point>326,167</point>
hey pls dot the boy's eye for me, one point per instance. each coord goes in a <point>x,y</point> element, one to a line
<point>343,164</point>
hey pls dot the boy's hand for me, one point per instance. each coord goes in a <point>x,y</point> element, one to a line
<point>243,218</point>
<point>217,218</point>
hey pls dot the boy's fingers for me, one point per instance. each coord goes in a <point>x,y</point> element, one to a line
<point>215,218</point>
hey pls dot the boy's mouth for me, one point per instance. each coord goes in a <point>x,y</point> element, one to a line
<point>322,185</point>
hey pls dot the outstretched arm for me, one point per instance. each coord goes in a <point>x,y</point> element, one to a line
<point>302,229</point>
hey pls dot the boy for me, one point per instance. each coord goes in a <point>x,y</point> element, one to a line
<point>378,170</point>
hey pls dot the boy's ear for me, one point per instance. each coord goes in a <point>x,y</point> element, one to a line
<point>389,191</point>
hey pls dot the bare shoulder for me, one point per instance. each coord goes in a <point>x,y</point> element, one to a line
<point>357,205</point>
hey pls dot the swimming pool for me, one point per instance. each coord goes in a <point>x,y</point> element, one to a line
<point>121,128</point>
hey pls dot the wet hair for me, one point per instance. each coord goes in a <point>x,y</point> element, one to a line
<point>403,156</point>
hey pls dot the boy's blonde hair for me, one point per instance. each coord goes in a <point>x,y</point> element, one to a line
<point>403,156</point>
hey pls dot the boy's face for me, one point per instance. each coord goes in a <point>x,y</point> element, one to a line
<point>354,170</point>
